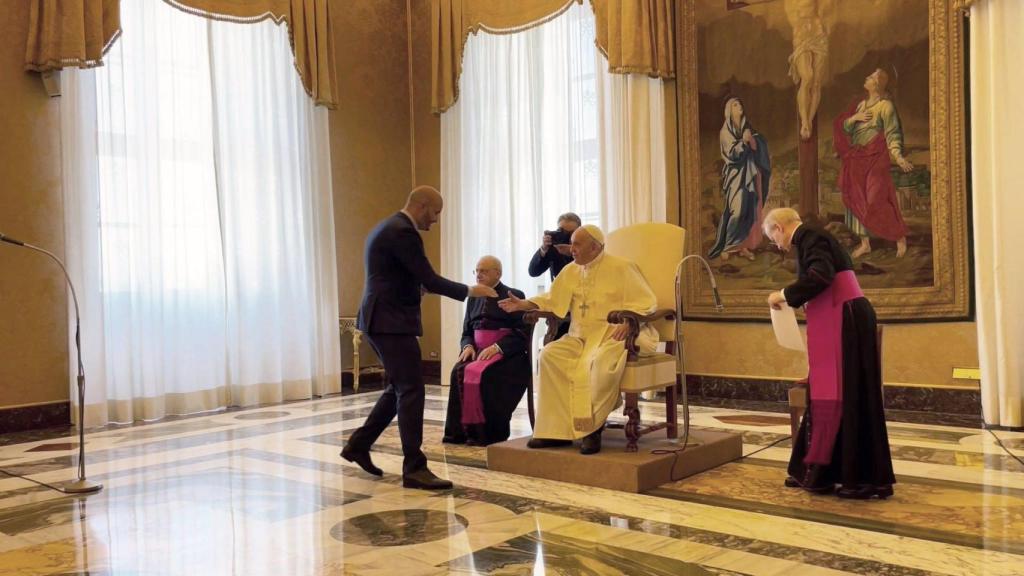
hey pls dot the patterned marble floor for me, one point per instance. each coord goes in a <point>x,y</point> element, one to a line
<point>263,491</point>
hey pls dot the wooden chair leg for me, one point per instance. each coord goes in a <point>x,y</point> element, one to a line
<point>632,412</point>
<point>671,412</point>
<point>795,414</point>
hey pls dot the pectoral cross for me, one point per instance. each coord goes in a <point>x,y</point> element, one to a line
<point>583,309</point>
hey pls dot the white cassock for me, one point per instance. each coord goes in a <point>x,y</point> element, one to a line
<point>581,371</point>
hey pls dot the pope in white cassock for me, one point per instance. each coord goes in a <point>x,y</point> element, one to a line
<point>581,371</point>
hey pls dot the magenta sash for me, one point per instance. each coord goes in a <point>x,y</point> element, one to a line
<point>472,402</point>
<point>825,357</point>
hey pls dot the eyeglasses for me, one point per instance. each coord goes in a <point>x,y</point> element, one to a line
<point>483,270</point>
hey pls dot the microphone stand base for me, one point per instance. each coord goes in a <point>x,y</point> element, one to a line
<point>82,487</point>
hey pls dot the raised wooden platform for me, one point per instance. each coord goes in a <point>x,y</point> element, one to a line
<point>613,467</point>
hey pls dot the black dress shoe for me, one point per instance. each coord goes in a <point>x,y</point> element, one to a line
<point>453,440</point>
<point>591,442</point>
<point>865,492</point>
<point>363,459</point>
<point>791,482</point>
<point>424,479</point>
<point>547,443</point>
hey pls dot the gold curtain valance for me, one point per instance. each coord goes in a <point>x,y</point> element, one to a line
<point>309,31</point>
<point>78,34</point>
<point>635,35</point>
<point>964,5</point>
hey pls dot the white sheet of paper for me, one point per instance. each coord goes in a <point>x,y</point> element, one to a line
<point>787,332</point>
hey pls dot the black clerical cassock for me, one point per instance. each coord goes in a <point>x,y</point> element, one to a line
<point>842,438</point>
<point>501,382</point>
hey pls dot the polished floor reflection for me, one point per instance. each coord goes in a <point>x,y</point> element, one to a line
<point>263,491</point>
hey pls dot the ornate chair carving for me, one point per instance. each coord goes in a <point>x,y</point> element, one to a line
<point>657,250</point>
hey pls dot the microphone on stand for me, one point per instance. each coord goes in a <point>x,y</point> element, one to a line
<point>82,485</point>
<point>680,364</point>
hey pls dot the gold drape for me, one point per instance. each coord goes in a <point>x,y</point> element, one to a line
<point>309,31</point>
<point>62,33</point>
<point>78,32</point>
<point>636,35</point>
<point>964,5</point>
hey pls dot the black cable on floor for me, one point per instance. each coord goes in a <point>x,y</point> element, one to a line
<point>50,486</point>
<point>761,449</point>
<point>1005,449</point>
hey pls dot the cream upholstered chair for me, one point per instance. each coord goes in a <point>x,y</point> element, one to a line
<point>656,249</point>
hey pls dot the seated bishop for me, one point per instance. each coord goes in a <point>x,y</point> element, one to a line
<point>493,369</point>
<point>580,372</point>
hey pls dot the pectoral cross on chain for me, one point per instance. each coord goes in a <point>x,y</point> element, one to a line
<point>583,308</point>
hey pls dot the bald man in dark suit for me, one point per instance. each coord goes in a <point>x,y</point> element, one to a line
<point>396,269</point>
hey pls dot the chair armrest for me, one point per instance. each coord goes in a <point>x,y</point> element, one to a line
<point>633,320</point>
<point>531,317</point>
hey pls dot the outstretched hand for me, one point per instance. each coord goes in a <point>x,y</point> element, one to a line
<point>480,290</point>
<point>776,300</point>
<point>514,304</point>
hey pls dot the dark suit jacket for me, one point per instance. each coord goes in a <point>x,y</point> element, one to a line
<point>484,314</point>
<point>553,260</point>
<point>396,267</point>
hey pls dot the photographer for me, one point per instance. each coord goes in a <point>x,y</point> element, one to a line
<point>554,249</point>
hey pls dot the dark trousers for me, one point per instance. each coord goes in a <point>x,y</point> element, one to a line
<point>403,395</point>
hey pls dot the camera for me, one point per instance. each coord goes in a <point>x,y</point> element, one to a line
<point>559,236</point>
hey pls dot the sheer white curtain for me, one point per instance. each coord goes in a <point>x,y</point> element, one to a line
<point>199,220</point>
<point>997,86</point>
<point>632,124</point>
<point>541,128</point>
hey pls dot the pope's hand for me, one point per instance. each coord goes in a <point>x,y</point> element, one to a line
<point>620,331</point>
<point>467,354</point>
<point>513,304</point>
<point>776,300</point>
<point>480,290</point>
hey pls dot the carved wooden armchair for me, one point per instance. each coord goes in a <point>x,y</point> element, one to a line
<point>657,250</point>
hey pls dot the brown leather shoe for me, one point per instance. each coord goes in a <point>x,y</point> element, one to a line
<point>424,479</point>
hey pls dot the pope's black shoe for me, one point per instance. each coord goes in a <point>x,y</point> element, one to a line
<point>424,479</point>
<point>361,458</point>
<point>592,442</point>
